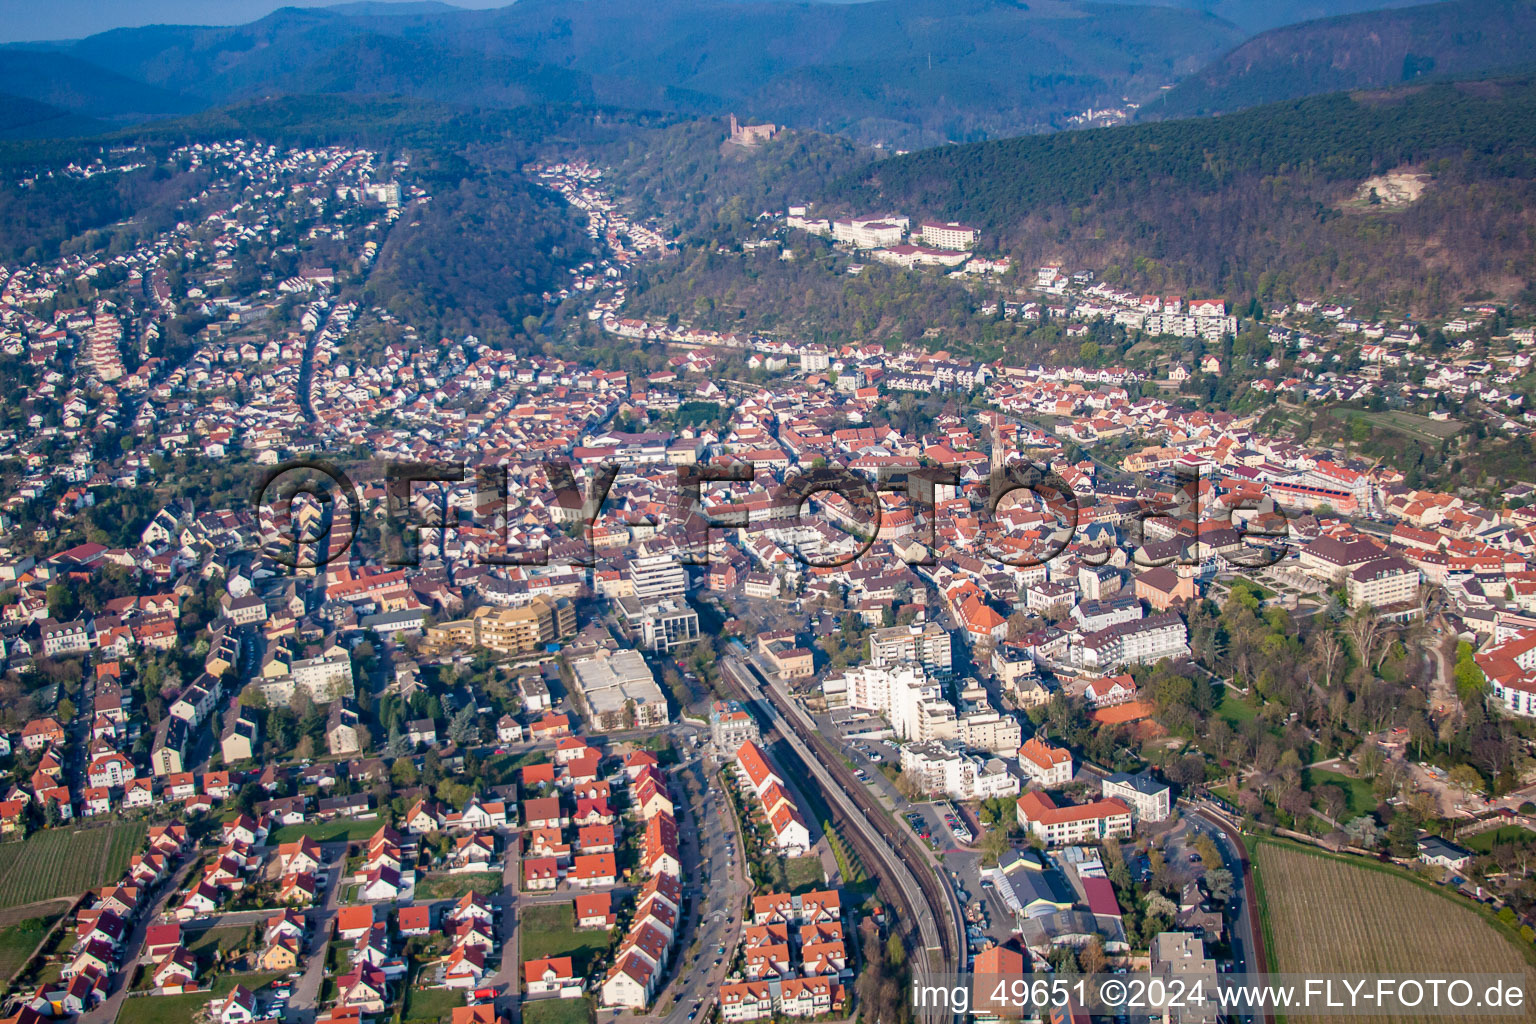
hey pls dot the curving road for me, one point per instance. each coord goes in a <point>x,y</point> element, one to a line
<point>1248,953</point>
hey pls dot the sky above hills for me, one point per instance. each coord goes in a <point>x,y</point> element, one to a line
<point>29,20</point>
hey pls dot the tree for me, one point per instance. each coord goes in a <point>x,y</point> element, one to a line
<point>65,711</point>
<point>994,843</point>
<point>1326,653</point>
<point>464,727</point>
<point>1364,631</point>
<point>1464,776</point>
<point>1364,831</point>
<point>395,747</point>
<point>1160,906</point>
<point>1219,882</point>
<point>1333,800</point>
<point>403,773</point>
<point>62,605</point>
<point>1091,957</point>
<point>1471,683</point>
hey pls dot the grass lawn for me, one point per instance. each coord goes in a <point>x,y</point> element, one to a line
<point>255,981</point>
<point>442,887</point>
<point>549,929</point>
<point>1414,425</point>
<point>223,939</point>
<point>1357,792</point>
<point>326,831</point>
<point>155,1009</point>
<point>17,942</point>
<point>804,873</point>
<point>64,861</point>
<point>431,1003</point>
<point>1484,842</point>
<point>1234,708</point>
<point>1334,914</point>
<point>1226,794</point>
<point>557,1011</point>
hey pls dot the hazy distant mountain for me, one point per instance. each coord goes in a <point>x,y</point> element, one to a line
<point>1361,51</point>
<point>902,71</point>
<point>73,85</point>
<point>23,118</point>
<point>1253,16</point>
<point>388,7</point>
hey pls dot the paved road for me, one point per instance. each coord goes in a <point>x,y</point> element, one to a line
<point>717,906</point>
<point>106,1011</point>
<point>1248,954</point>
<point>303,1002</point>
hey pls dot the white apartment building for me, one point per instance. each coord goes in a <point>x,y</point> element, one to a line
<point>927,645</point>
<point>955,774</point>
<point>1082,823</point>
<point>657,577</point>
<point>913,703</point>
<point>1148,799</point>
<point>870,232</point>
<point>1510,666</point>
<point>1139,642</point>
<point>1383,583</point>
<point>323,679</point>
<point>990,730</point>
<point>1180,956</point>
<point>950,235</point>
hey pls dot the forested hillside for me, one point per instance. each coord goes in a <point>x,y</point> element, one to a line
<point>479,257</point>
<point>686,177</point>
<point>1261,203</point>
<point>1360,51</point>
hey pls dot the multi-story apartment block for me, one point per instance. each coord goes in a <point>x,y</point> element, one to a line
<point>950,235</point>
<point>912,702</point>
<point>960,776</point>
<point>927,645</point>
<point>1138,642</point>
<point>989,730</point>
<point>656,577</point>
<point>1385,583</point>
<point>1081,823</point>
<point>730,726</point>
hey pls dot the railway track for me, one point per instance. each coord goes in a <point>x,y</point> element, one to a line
<point>909,879</point>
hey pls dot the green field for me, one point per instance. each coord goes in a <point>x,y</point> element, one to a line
<point>1484,842</point>
<point>1421,427</point>
<point>442,887</point>
<point>223,940</point>
<point>1328,914</point>
<point>430,1003</point>
<point>17,942</point>
<point>549,929</point>
<point>557,1011</point>
<point>65,862</point>
<point>155,1009</point>
<point>1359,799</point>
<point>804,873</point>
<point>327,831</point>
<point>1233,708</point>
